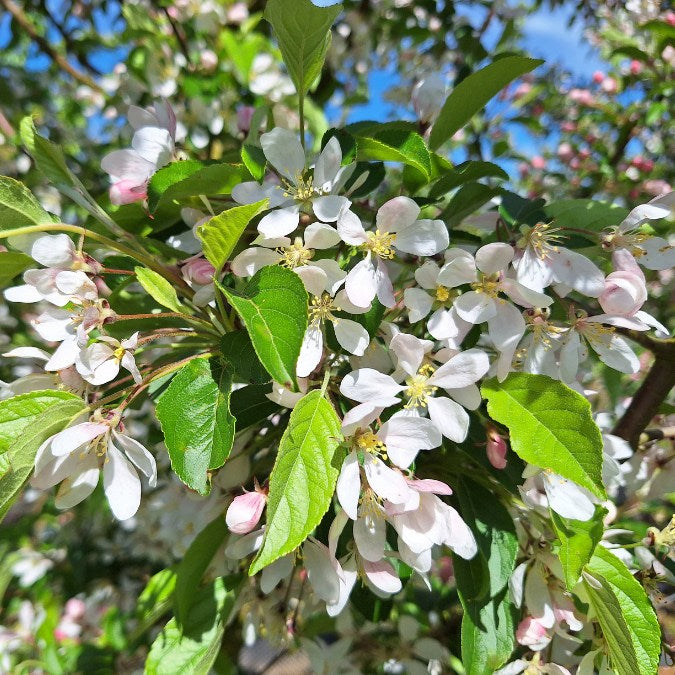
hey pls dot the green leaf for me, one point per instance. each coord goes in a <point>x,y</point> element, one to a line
<point>273,307</point>
<point>155,600</point>
<point>194,563</point>
<point>488,623</point>
<point>303,479</point>
<point>303,33</point>
<point>516,210</point>
<point>466,173</point>
<point>12,264</point>
<point>194,647</point>
<point>198,427</point>
<point>220,234</point>
<point>584,213</point>
<point>19,207</point>
<point>254,160</point>
<point>250,405</point>
<point>181,180</point>
<point>21,453</point>
<point>551,426</point>
<point>159,289</point>
<point>473,93</point>
<point>391,143</point>
<point>626,616</point>
<point>578,540</point>
<point>18,412</point>
<point>467,200</point>
<point>238,351</point>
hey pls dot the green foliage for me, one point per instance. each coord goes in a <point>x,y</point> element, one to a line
<point>303,479</point>
<point>159,289</point>
<point>238,351</point>
<point>466,172</point>
<point>193,565</point>
<point>303,32</point>
<point>155,599</point>
<point>220,234</point>
<point>21,453</point>
<point>584,213</point>
<point>19,208</point>
<point>468,199</point>
<point>551,426</point>
<point>196,420</point>
<point>626,616</point>
<point>474,92</point>
<point>273,307</point>
<point>13,264</point>
<point>250,405</point>
<point>578,540</point>
<point>194,647</point>
<point>488,623</point>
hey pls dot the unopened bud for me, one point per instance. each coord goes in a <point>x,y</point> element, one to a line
<point>244,512</point>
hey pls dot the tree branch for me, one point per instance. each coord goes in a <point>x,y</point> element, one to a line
<point>25,23</point>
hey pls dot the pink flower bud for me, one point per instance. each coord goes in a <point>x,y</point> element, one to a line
<point>244,512</point>
<point>598,76</point>
<point>496,449</point>
<point>635,67</point>
<point>208,59</point>
<point>610,85</point>
<point>568,127</point>
<point>531,633</point>
<point>198,270</point>
<point>624,294</point>
<point>538,162</point>
<point>565,152</point>
<point>127,191</point>
<point>656,187</point>
<point>75,608</point>
<point>244,117</point>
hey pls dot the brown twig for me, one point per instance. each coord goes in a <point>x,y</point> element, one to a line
<point>44,45</point>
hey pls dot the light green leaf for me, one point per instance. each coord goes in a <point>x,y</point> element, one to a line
<point>466,173</point>
<point>155,599</point>
<point>473,93</point>
<point>159,289</point>
<point>193,565</point>
<point>194,647</point>
<point>21,454</point>
<point>19,207</point>
<point>18,412</point>
<point>198,427</point>
<point>13,264</point>
<point>303,33</point>
<point>578,539</point>
<point>584,213</point>
<point>488,623</point>
<point>303,479</point>
<point>551,426</point>
<point>273,307</point>
<point>626,616</point>
<point>220,234</point>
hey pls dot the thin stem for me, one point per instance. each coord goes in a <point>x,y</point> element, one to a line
<point>168,315</point>
<point>301,110</point>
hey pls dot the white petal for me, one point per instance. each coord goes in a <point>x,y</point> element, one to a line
<point>328,163</point>
<point>420,562</point>
<point>567,498</point>
<point>418,303</point>
<point>53,250</point>
<point>449,417</point>
<point>427,275</point>
<point>385,289</point>
<point>74,437</point>
<point>577,272</point>
<point>382,577</point>
<point>461,370</point>
<point>404,435</point>
<point>350,228</point>
<point>524,296</point>
<point>370,532</point>
<point>360,417</point>
<point>532,271</point>
<point>248,193</point>
<point>352,336</point>
<point>517,584</point>
<point>280,222</point>
<point>386,483</point>
<point>468,397</point>
<point>321,571</point>
<point>346,305</point>
<point>313,278</point>
<point>361,283</point>
<point>458,271</point>
<point>460,537</point>
<point>659,254</point>
<point>154,145</point>
<point>284,152</point>
<point>28,353</point>
<point>320,235</point>
<point>347,581</point>
<point>335,275</point>
<point>329,208</point>
<point>139,455</point>
<point>65,355</point>
<point>475,307</point>
<point>121,484</point>
<point>441,325</point>
<point>538,597</point>
<point>423,238</point>
<point>616,353</point>
<point>396,214</point>
<point>78,487</point>
<point>409,350</point>
<point>129,363</point>
<point>348,487</point>
<point>128,165</point>
<point>250,260</point>
<point>274,573</point>
<point>493,258</point>
<point>23,293</point>
<point>370,386</point>
<point>311,350</point>
<point>77,284</point>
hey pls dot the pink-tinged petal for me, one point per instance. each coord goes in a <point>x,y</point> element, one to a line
<point>280,222</point>
<point>461,370</point>
<point>396,214</point>
<point>311,350</point>
<point>128,191</point>
<point>385,289</point>
<point>319,236</point>
<point>423,238</point>
<point>360,417</point>
<point>352,336</point>
<point>409,350</point>
<point>244,512</point>
<point>496,450</point>
<point>531,633</point>
<point>250,260</point>
<point>493,258</point>
<point>624,293</point>
<point>361,283</point>
<point>385,482</point>
<point>321,571</point>
<point>328,209</point>
<point>75,437</point>
<point>284,152</point>
<point>139,455</point>
<point>54,250</point>
<point>475,307</point>
<point>370,532</point>
<point>382,577</point>
<point>121,484</point>
<point>367,385</point>
<point>350,228</point>
<point>437,487</point>
<point>349,485</point>
<point>449,417</point>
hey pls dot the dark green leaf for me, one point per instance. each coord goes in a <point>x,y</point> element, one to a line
<point>467,200</point>
<point>584,213</point>
<point>466,173</point>
<point>250,405</point>
<point>238,351</point>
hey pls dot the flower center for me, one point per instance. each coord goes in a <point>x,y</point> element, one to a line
<point>488,284</point>
<point>443,294</point>
<point>322,309</point>
<point>542,238</point>
<point>295,255</point>
<point>118,353</point>
<point>381,244</point>
<point>304,189</point>
<point>419,390</point>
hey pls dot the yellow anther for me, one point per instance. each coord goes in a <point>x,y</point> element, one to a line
<point>442,294</point>
<point>118,353</point>
<point>322,309</point>
<point>295,255</point>
<point>490,285</point>
<point>381,244</point>
<point>542,238</point>
<point>419,390</point>
<point>303,190</point>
